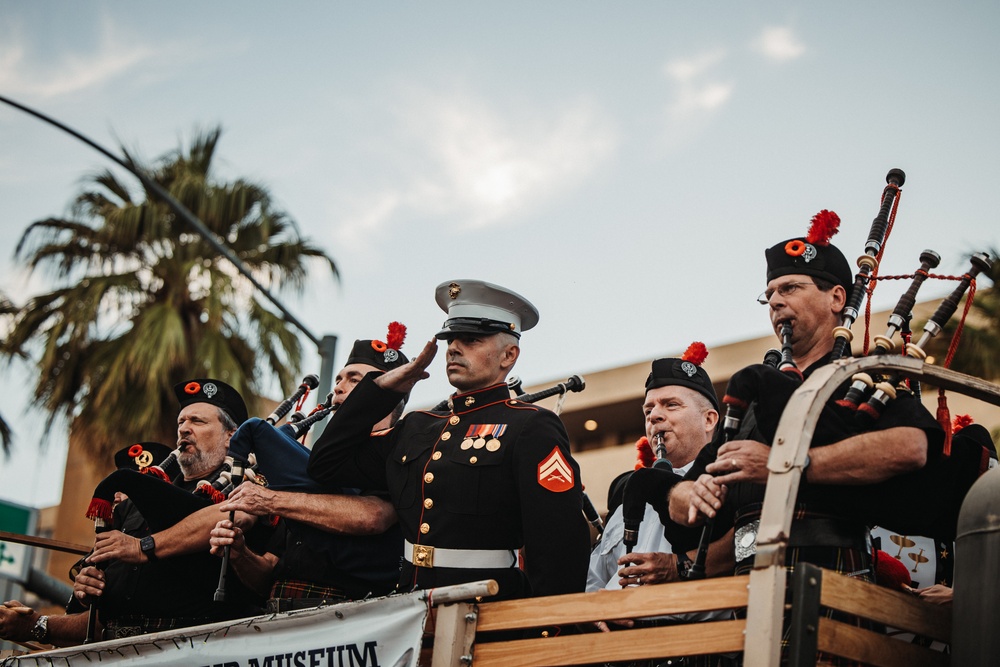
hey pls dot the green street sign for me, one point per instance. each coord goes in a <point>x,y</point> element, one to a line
<point>15,558</point>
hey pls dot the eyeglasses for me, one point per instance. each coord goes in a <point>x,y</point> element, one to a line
<point>783,291</point>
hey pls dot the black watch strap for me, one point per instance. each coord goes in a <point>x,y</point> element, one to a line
<point>148,546</point>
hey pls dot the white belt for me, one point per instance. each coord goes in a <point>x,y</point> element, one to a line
<point>422,555</point>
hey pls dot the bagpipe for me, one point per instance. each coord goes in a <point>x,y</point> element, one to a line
<point>256,442</point>
<point>924,502</point>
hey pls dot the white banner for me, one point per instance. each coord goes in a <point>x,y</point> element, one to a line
<point>384,632</point>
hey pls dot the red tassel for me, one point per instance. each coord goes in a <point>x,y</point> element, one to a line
<point>156,471</point>
<point>99,509</point>
<point>824,225</point>
<point>738,402</point>
<point>944,418</point>
<point>645,453</point>
<point>696,353</point>
<point>397,334</point>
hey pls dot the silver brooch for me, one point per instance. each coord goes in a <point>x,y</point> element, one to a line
<point>210,389</point>
<point>810,253</point>
<point>689,368</point>
<point>390,355</point>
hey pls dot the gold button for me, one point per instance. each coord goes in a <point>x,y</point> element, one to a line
<point>473,459</point>
<point>403,460</point>
<point>428,503</point>
<point>436,456</point>
<point>429,477</point>
<point>446,435</point>
<point>425,528</point>
<point>454,420</point>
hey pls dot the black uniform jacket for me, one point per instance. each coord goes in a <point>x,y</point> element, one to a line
<point>493,473</point>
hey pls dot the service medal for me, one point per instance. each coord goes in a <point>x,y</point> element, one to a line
<point>467,443</point>
<point>479,443</point>
<point>493,444</point>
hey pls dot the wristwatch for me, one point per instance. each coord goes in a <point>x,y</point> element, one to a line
<point>684,564</point>
<point>40,632</point>
<point>148,547</point>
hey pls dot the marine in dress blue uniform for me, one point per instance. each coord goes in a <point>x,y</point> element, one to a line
<point>476,484</point>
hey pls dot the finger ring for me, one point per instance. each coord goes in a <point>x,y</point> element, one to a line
<point>732,462</point>
<point>638,580</point>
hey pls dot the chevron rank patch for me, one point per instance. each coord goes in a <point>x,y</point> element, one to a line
<point>555,473</point>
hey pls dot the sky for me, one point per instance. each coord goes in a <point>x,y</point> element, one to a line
<point>621,165</point>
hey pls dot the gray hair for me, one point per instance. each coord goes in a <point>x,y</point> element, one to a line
<point>228,423</point>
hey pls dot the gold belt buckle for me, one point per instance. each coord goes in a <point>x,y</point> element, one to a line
<point>423,555</point>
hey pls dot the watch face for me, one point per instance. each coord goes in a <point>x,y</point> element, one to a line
<point>41,629</point>
<point>146,544</point>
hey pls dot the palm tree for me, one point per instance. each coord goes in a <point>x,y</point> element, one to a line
<point>144,303</point>
<point>978,351</point>
<point>7,310</point>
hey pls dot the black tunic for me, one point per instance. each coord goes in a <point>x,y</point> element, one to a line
<point>493,473</point>
<point>858,504</point>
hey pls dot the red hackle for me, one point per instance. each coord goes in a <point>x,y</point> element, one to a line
<point>696,353</point>
<point>961,421</point>
<point>824,225</point>
<point>645,457</point>
<point>397,334</point>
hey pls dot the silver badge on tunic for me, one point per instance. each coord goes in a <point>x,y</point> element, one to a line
<point>745,540</point>
<point>210,389</point>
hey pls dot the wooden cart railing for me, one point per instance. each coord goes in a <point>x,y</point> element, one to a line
<point>762,592</point>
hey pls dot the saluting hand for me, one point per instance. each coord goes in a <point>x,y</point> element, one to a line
<point>403,378</point>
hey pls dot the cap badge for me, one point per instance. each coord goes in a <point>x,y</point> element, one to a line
<point>145,459</point>
<point>454,290</point>
<point>390,355</point>
<point>210,389</point>
<point>690,369</point>
<point>810,253</point>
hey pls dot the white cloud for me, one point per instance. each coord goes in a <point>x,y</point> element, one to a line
<point>697,93</point>
<point>20,73</point>
<point>475,165</point>
<point>687,70</point>
<point>779,44</point>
